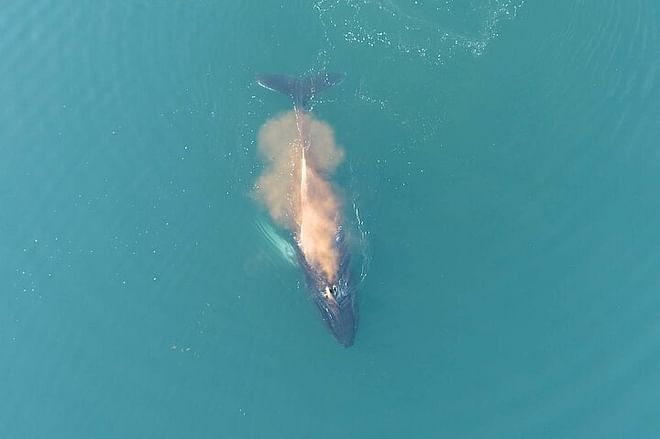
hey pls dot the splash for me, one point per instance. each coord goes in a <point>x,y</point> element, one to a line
<point>432,32</point>
<point>300,152</point>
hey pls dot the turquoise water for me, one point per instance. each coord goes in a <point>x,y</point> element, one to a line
<point>505,162</point>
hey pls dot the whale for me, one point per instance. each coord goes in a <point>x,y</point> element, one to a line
<point>332,291</point>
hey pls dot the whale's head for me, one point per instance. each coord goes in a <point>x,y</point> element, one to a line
<point>334,296</point>
<point>337,304</point>
<point>336,300</point>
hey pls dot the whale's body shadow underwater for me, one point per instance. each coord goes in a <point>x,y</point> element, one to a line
<point>301,154</point>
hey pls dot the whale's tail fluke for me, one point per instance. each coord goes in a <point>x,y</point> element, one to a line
<point>301,89</point>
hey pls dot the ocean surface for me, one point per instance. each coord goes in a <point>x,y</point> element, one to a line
<point>502,167</point>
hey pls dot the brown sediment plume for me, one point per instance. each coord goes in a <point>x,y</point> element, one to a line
<point>301,153</point>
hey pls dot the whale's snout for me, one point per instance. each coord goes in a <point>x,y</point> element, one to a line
<point>345,325</point>
<point>339,311</point>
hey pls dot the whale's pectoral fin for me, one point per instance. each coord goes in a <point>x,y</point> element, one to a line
<point>282,247</point>
<point>301,89</point>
